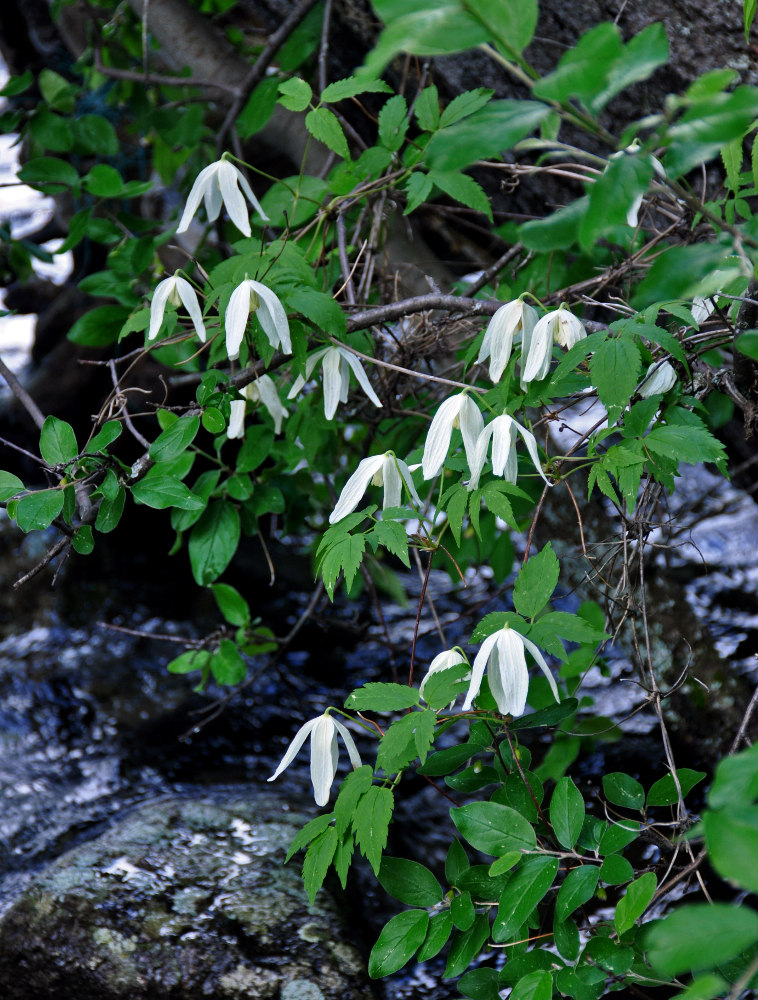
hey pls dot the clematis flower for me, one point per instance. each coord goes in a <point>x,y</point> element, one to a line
<point>503,430</point>
<point>262,390</point>
<point>336,363</point>
<point>660,377</point>
<point>177,291</point>
<point>379,470</point>
<point>560,327</point>
<point>512,320</point>
<point>457,411</point>
<point>443,661</point>
<point>251,296</point>
<point>502,654</point>
<point>324,754</point>
<point>220,184</point>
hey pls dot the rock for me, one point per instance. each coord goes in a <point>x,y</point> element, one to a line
<point>182,898</point>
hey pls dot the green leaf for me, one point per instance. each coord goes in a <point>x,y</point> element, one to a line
<point>748,13</point>
<point>345,555</point>
<point>537,985</point>
<point>319,307</point>
<point>732,839</point>
<point>617,836</point>
<point>371,821</point>
<point>160,492</point>
<point>487,133</point>
<point>311,830</point>
<point>110,511</point>
<point>613,194</point>
<point>259,108</point>
<point>623,790</point>
<point>83,541</point>
<point>231,604</point>
<point>352,86</point>
<point>418,188</point>
<point>38,510</point>
<point>610,956</point>
<point>479,984</point>
<point>708,125</point>
<point>296,94</point>
<point>406,739</point>
<point>17,84</point>
<point>493,828</point>
<point>567,813</point>
<point>103,181</point>
<point>49,174</point>
<point>227,665</point>
<point>465,946</point>
<point>583,70</point>
<point>616,870</point>
<point>99,327</point>
<point>107,434</point>
<point>664,793</point>
<point>614,371</point>
<point>462,911</point>
<point>393,123</point>
<point>57,441</point>
<point>558,231</point>
<point>522,893</point>
<point>465,104</point>
<point>633,904</point>
<point>186,663</point>
<point>578,888</point>
<point>440,928</point>
<point>352,788</point>
<point>736,779</point>
<point>95,134</point>
<point>536,582</point>
<point>317,860</point>
<point>639,59</point>
<point>175,439</point>
<point>398,942</point>
<point>444,686</point>
<point>427,109</point>
<point>377,696</point>
<point>214,541</point>
<point>324,125</point>
<point>10,485</point>
<point>410,882</point>
<point>572,627</point>
<point>700,936</point>
<point>690,445</point>
<point>391,534</point>
<point>462,188</point>
<point>549,716</point>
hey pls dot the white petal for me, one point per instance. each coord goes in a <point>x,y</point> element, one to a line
<point>355,487</point>
<point>438,437</point>
<point>332,381</point>
<point>237,313</point>
<point>236,428</point>
<point>540,661</point>
<point>361,376</point>
<point>477,672</point>
<point>323,758</point>
<point>480,455</point>
<point>270,399</point>
<point>228,182</point>
<point>502,443</point>
<point>352,749</point>
<point>405,472</point>
<point>537,362</point>
<point>660,377</point>
<point>297,386</point>
<point>251,197</point>
<point>442,661</point>
<point>189,300</point>
<point>570,330</point>
<point>300,737</point>
<point>196,195</point>
<point>498,338</point>
<point>393,484</point>
<point>531,447</point>
<point>507,673</point>
<point>471,424</point>
<point>158,306</point>
<point>272,317</point>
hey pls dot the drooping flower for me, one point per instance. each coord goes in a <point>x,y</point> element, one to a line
<point>324,753</point>
<point>503,430</point>
<point>251,296</point>
<point>262,390</point>
<point>457,411</point>
<point>219,184</point>
<point>380,470</point>
<point>660,377</point>
<point>560,327</point>
<point>512,320</point>
<point>443,661</point>
<point>502,654</point>
<point>336,363</point>
<point>176,291</point>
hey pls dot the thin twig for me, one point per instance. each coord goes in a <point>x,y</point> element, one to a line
<point>22,395</point>
<point>48,557</point>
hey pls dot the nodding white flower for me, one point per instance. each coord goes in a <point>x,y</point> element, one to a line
<point>251,296</point>
<point>177,291</point>
<point>560,327</point>
<point>512,320</point>
<point>660,377</point>
<point>220,184</point>
<point>324,754</point>
<point>632,213</point>
<point>703,307</point>
<point>443,661</point>
<point>262,390</point>
<point>502,430</point>
<point>457,411</point>
<point>502,654</point>
<point>380,470</point>
<point>336,363</point>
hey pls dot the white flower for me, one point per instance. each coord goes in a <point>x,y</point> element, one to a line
<point>503,432</point>
<point>219,184</point>
<point>323,733</point>
<point>457,411</point>
<point>443,661</point>
<point>632,213</point>
<point>660,377</point>
<point>502,653</point>
<point>560,327</point>
<point>251,296</point>
<point>336,363</point>
<point>380,470</point>
<point>177,291</point>
<point>702,308</point>
<point>262,390</point>
<point>512,320</point>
